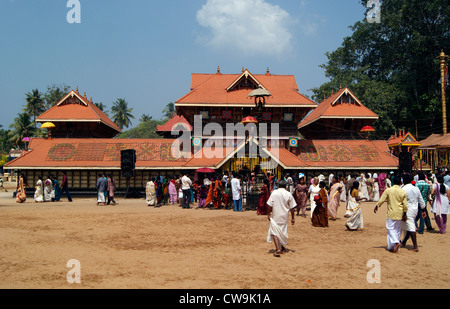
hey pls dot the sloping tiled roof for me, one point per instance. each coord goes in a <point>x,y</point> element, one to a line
<point>165,154</point>
<point>98,153</point>
<point>332,107</point>
<point>211,89</point>
<point>77,108</point>
<point>346,154</point>
<point>174,123</point>
<point>436,141</point>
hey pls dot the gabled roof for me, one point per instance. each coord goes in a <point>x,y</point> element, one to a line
<point>404,139</point>
<point>342,104</point>
<point>75,107</point>
<point>221,90</point>
<point>175,123</point>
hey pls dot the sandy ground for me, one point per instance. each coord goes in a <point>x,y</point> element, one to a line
<point>132,245</point>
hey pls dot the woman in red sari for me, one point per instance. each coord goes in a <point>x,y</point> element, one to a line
<point>262,205</point>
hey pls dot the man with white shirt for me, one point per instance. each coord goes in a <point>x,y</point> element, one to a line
<point>413,199</point>
<point>186,184</point>
<point>236,192</point>
<point>281,203</point>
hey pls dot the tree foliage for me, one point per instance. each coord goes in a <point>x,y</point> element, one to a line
<point>121,113</point>
<point>392,66</point>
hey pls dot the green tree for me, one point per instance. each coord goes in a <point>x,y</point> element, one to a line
<point>145,117</point>
<point>35,103</point>
<point>392,66</point>
<point>54,94</point>
<point>5,144</point>
<point>121,113</point>
<point>169,111</point>
<point>22,127</point>
<point>145,129</point>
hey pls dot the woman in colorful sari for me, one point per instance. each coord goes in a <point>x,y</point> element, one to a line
<point>335,198</point>
<point>381,183</point>
<point>150,193</point>
<point>263,198</point>
<point>21,195</point>
<point>48,188</point>
<point>39,191</point>
<point>319,217</point>
<point>202,194</point>
<point>172,191</point>
<point>209,197</point>
<point>355,219</point>
<point>217,193</point>
<point>300,195</point>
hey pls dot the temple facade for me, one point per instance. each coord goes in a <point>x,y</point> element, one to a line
<point>219,122</point>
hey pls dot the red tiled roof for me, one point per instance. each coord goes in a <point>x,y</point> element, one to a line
<point>346,154</point>
<point>164,154</point>
<point>77,108</point>
<point>332,107</point>
<point>211,89</point>
<point>174,123</point>
<point>98,153</point>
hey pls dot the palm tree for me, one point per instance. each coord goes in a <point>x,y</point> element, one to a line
<point>102,107</point>
<point>22,127</point>
<point>169,111</point>
<point>145,117</point>
<point>35,103</point>
<point>121,113</point>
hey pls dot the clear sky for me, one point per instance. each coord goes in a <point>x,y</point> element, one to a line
<point>145,50</point>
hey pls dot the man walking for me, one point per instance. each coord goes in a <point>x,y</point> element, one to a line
<point>425,190</point>
<point>414,199</point>
<point>102,186</point>
<point>186,184</point>
<point>281,203</point>
<point>65,187</point>
<point>396,213</point>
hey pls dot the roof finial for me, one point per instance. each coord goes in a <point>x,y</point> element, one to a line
<point>243,69</point>
<point>90,100</point>
<point>218,69</point>
<point>267,71</point>
<point>85,95</point>
<point>340,86</point>
<point>77,89</point>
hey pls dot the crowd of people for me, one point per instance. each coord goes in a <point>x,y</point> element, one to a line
<point>219,191</point>
<point>47,190</point>
<point>406,195</point>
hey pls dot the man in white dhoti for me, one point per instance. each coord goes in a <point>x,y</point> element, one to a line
<point>396,212</point>
<point>280,203</point>
<point>414,199</point>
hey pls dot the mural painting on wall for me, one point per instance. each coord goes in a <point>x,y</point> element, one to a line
<point>111,152</point>
<point>338,153</point>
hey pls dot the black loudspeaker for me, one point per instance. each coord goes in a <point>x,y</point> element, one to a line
<point>405,162</point>
<point>128,162</point>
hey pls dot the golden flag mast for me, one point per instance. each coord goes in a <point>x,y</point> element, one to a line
<point>443,59</point>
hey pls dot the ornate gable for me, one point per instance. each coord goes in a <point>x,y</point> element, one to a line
<point>247,81</point>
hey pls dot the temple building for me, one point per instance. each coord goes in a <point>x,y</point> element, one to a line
<point>291,133</point>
